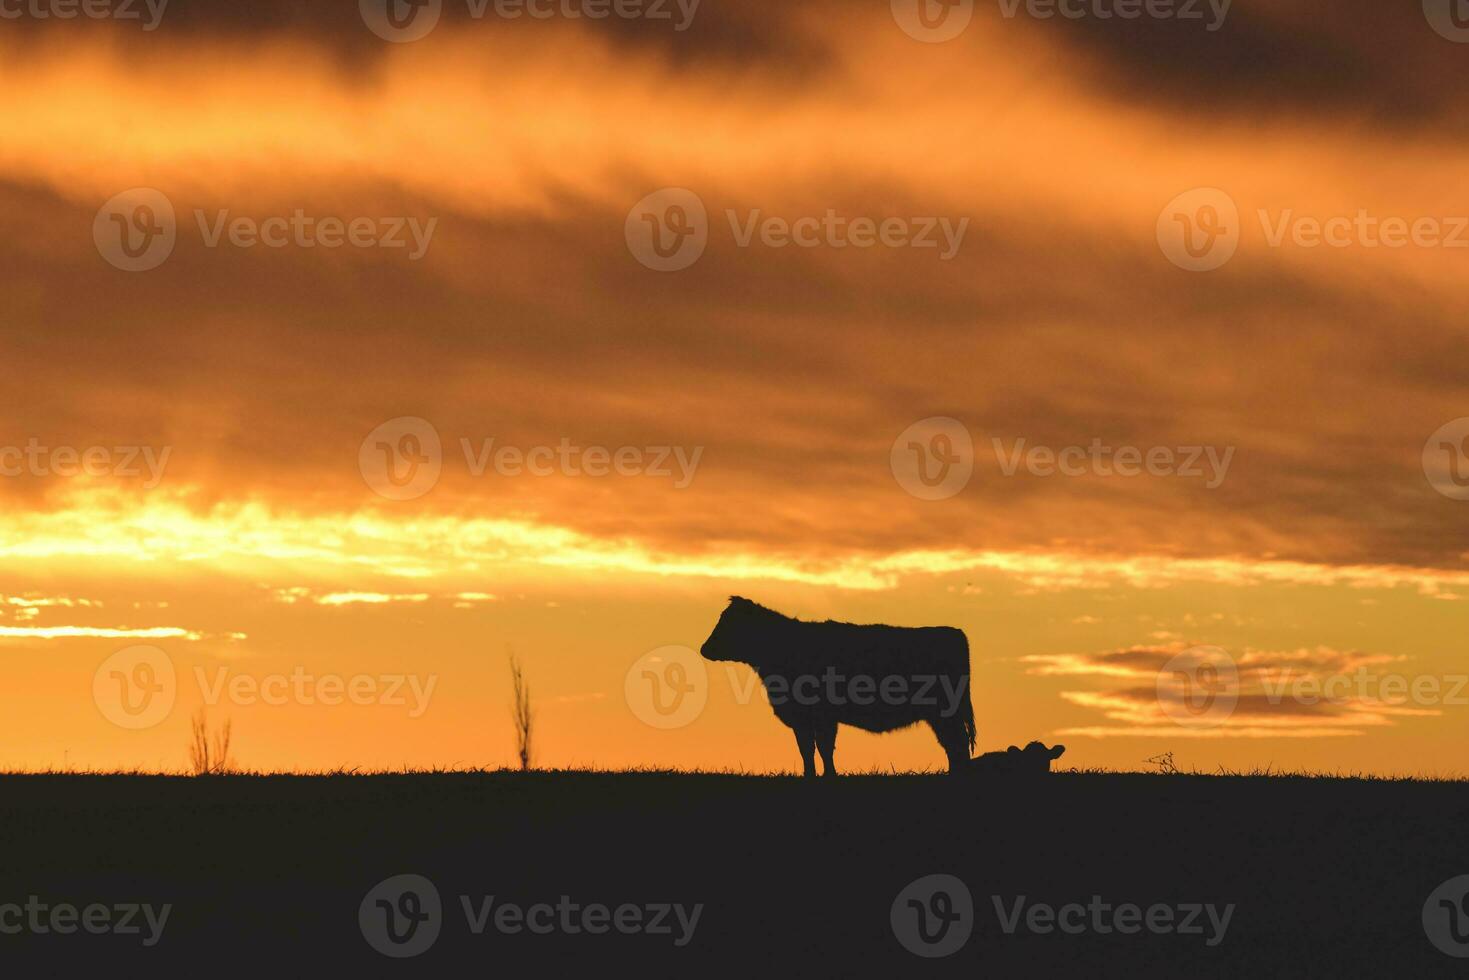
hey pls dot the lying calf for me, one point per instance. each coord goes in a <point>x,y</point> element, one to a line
<point>1035,758</point>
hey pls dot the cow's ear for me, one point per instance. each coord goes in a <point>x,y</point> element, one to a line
<point>1058,751</point>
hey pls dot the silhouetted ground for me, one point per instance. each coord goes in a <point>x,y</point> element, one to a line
<point>797,878</point>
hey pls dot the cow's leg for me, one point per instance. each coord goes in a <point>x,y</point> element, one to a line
<point>958,752</point>
<point>806,742</point>
<point>954,741</point>
<point>826,742</point>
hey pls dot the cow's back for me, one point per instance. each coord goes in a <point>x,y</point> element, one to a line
<point>852,664</point>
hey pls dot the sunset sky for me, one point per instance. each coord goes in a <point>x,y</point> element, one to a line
<point>240,520</point>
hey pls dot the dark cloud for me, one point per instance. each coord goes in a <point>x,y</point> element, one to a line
<point>1357,60</point>
<point>1058,322</point>
<point>269,364</point>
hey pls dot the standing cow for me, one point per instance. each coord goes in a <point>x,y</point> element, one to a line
<point>877,678</point>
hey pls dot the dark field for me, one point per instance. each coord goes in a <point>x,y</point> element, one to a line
<point>796,878</point>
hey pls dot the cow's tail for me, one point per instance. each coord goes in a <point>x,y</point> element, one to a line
<point>966,710</point>
<point>969,730</point>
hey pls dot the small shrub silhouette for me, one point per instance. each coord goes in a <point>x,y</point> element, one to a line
<point>209,754</point>
<point>521,712</point>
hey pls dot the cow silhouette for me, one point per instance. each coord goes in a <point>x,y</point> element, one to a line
<point>877,678</point>
<point>1034,759</point>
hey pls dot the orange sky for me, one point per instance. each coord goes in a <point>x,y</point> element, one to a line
<point>763,386</point>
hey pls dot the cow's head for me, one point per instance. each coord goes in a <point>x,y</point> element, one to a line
<point>1035,757</point>
<point>737,634</point>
